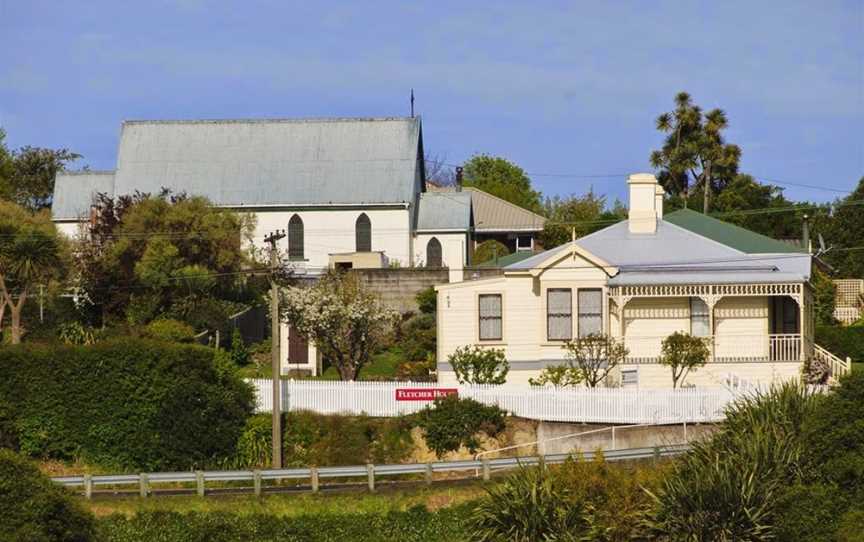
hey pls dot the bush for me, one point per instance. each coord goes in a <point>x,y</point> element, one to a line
<point>451,423</point>
<point>418,338</point>
<point>416,524</point>
<point>76,333</point>
<point>427,300</point>
<point>487,251</point>
<point>170,330</point>
<point>129,404</point>
<point>809,513</point>
<point>842,341</point>
<point>240,355</point>
<point>33,507</point>
<point>577,500</point>
<point>477,365</point>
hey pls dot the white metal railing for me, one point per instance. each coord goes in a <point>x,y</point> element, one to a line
<point>586,405</point>
<point>837,367</point>
<point>728,348</point>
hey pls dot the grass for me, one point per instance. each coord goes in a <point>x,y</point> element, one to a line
<point>384,501</point>
<point>382,366</point>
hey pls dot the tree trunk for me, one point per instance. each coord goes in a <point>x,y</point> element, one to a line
<point>15,314</point>
<point>2,314</point>
<point>347,371</point>
<point>706,186</point>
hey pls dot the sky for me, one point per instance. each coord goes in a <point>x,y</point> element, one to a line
<point>567,90</point>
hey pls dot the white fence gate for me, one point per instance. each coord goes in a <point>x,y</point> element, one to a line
<point>597,405</point>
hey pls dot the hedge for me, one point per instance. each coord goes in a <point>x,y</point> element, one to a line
<point>842,341</point>
<point>131,404</point>
<point>415,524</point>
<point>34,508</point>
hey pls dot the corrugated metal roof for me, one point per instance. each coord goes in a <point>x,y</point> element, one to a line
<point>492,213</point>
<point>729,234</point>
<point>444,211</point>
<point>267,162</point>
<point>74,192</point>
<point>698,259</point>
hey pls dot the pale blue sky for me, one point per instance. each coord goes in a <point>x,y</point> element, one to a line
<point>558,87</point>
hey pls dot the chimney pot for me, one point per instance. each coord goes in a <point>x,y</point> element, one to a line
<point>458,178</point>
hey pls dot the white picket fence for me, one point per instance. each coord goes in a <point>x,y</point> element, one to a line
<point>599,405</point>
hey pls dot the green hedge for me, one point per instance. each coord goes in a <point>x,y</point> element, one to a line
<point>129,404</point>
<point>34,508</point>
<point>416,524</point>
<point>842,341</point>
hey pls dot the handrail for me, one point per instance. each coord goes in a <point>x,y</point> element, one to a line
<point>838,367</point>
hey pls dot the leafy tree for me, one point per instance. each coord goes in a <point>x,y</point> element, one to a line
<point>344,319</point>
<point>489,251</point>
<point>560,376</point>
<point>27,175</point>
<point>694,151</point>
<point>592,358</point>
<point>452,422</point>
<point>585,213</point>
<point>427,300</point>
<point>502,178</point>
<point>30,254</point>
<point>844,232</point>
<point>478,365</point>
<point>683,353</point>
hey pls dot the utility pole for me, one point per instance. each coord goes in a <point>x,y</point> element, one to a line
<point>274,348</point>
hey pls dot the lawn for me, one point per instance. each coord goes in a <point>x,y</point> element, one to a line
<point>383,366</point>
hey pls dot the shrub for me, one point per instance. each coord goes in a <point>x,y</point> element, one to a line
<point>477,365</point>
<point>427,300</point>
<point>451,423</point>
<point>130,404</point>
<point>851,526</point>
<point>417,524</point>
<point>809,513</point>
<point>842,341</point>
<point>487,251</point>
<point>418,338</point>
<point>76,333</point>
<point>682,353</point>
<point>33,507</point>
<point>592,358</point>
<point>170,330</point>
<point>239,353</point>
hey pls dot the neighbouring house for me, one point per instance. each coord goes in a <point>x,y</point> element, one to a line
<point>848,300</point>
<point>639,281</point>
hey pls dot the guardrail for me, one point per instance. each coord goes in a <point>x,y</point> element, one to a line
<point>145,481</point>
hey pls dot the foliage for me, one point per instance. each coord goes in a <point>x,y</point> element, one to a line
<point>824,292</point>
<point>809,512</point>
<point>427,300</point>
<point>477,365</point>
<point>146,256</point>
<point>31,253</point>
<point>682,353</point>
<point>560,376</point>
<point>344,319</point>
<point>586,214</point>
<point>76,333</point>
<point>842,341</point>
<point>694,150</point>
<point>452,422</point>
<point>138,404</point>
<point>240,355</point>
<point>416,524</point>
<point>35,508</point>
<point>417,371</point>
<point>844,231</point>
<point>728,487</point>
<point>592,358</point>
<point>166,329</point>
<point>502,178</point>
<point>489,251</point>
<point>579,500</point>
<point>418,338</point>
<point>324,440</point>
<point>27,174</point>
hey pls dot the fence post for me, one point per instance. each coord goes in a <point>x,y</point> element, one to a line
<point>485,461</point>
<point>143,485</point>
<point>370,471</point>
<point>256,482</point>
<point>199,482</point>
<point>613,438</point>
<point>88,486</point>
<point>656,453</point>
<point>429,473</point>
<point>313,474</point>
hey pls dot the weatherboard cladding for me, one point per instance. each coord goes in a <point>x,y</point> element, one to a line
<point>74,192</point>
<point>441,211</point>
<point>272,162</point>
<point>674,255</point>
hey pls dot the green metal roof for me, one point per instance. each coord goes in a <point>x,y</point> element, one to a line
<point>729,234</point>
<point>504,261</point>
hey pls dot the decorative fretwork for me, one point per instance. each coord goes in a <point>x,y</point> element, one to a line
<point>710,293</point>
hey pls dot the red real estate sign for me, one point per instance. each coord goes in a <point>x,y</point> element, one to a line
<point>423,394</point>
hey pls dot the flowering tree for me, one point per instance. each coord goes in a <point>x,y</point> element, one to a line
<point>344,320</point>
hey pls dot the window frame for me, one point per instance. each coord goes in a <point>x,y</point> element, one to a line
<point>706,316</point>
<point>549,315</point>
<point>358,234</point>
<point>480,316</point>
<point>530,243</point>
<point>440,252</point>
<point>293,255</point>
<point>579,312</point>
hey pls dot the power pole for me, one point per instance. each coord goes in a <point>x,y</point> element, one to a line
<point>274,348</point>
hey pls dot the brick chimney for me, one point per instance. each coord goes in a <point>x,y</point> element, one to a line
<point>646,203</point>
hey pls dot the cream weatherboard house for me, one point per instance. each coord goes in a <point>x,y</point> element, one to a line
<point>639,281</point>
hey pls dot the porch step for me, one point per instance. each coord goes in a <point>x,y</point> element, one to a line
<point>836,367</point>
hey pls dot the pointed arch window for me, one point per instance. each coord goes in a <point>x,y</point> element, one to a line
<point>363,230</point>
<point>433,253</point>
<point>295,239</point>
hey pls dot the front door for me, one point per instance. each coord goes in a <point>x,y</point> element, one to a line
<point>298,348</point>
